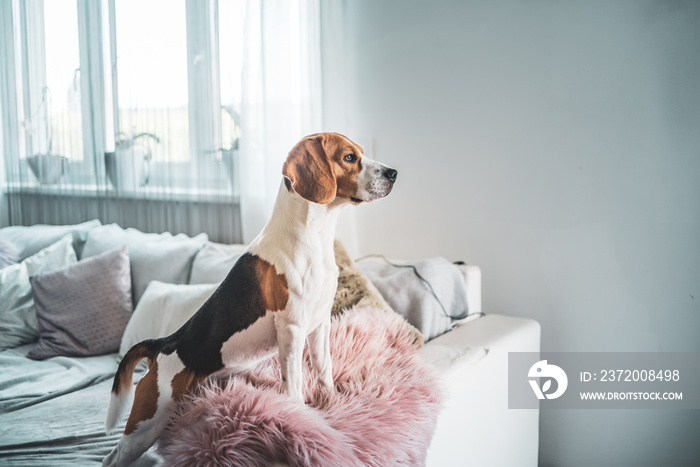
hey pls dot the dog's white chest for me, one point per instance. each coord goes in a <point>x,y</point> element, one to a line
<point>311,293</point>
<point>326,279</point>
<point>312,298</point>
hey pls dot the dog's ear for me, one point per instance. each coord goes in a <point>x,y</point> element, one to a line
<point>308,168</point>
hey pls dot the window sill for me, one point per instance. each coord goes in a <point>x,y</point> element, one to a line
<point>147,193</point>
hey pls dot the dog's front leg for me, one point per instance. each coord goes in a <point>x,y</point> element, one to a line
<point>320,350</point>
<point>290,340</point>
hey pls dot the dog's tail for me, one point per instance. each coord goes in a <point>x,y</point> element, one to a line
<point>123,386</point>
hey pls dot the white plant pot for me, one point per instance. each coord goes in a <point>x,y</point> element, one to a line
<point>128,169</point>
<point>48,168</point>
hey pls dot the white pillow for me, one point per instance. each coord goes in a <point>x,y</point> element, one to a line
<point>162,310</point>
<point>18,323</point>
<point>214,261</point>
<point>162,257</point>
<point>31,240</point>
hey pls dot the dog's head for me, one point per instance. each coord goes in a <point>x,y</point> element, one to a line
<point>326,166</point>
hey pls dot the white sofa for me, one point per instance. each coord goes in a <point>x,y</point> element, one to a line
<point>475,428</point>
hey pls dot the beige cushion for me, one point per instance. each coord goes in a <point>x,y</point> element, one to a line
<point>355,290</point>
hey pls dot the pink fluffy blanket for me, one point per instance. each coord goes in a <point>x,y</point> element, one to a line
<point>382,413</point>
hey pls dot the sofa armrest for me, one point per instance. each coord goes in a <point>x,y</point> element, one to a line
<point>475,426</point>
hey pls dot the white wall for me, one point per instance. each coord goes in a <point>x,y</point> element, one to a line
<point>557,145</point>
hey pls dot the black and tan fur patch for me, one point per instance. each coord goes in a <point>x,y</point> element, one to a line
<point>251,289</point>
<point>145,400</point>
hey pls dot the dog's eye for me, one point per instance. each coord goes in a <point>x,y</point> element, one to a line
<point>350,158</point>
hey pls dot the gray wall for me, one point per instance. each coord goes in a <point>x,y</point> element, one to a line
<point>557,145</point>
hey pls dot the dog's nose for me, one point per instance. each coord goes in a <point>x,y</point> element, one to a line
<point>391,174</point>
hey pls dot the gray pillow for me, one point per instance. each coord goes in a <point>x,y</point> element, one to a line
<point>213,262</point>
<point>83,309</point>
<point>31,240</point>
<point>413,299</point>
<point>162,257</point>
<point>18,324</point>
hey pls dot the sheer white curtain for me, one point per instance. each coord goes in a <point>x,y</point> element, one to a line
<point>273,46</point>
<point>281,98</point>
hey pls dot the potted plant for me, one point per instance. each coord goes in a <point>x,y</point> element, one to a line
<point>47,167</point>
<point>128,167</point>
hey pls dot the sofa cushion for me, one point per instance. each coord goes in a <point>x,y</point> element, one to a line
<point>9,253</point>
<point>213,262</point>
<point>431,293</point>
<point>18,323</point>
<point>163,308</point>
<point>83,309</point>
<point>31,240</point>
<point>163,257</point>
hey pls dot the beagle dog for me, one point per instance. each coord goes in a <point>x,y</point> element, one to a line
<point>277,297</point>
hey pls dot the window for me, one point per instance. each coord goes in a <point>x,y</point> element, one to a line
<point>90,76</point>
<point>60,93</point>
<point>152,81</point>
<point>231,26</point>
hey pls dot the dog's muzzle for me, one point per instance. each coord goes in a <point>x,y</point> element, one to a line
<point>376,181</point>
<point>382,186</point>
